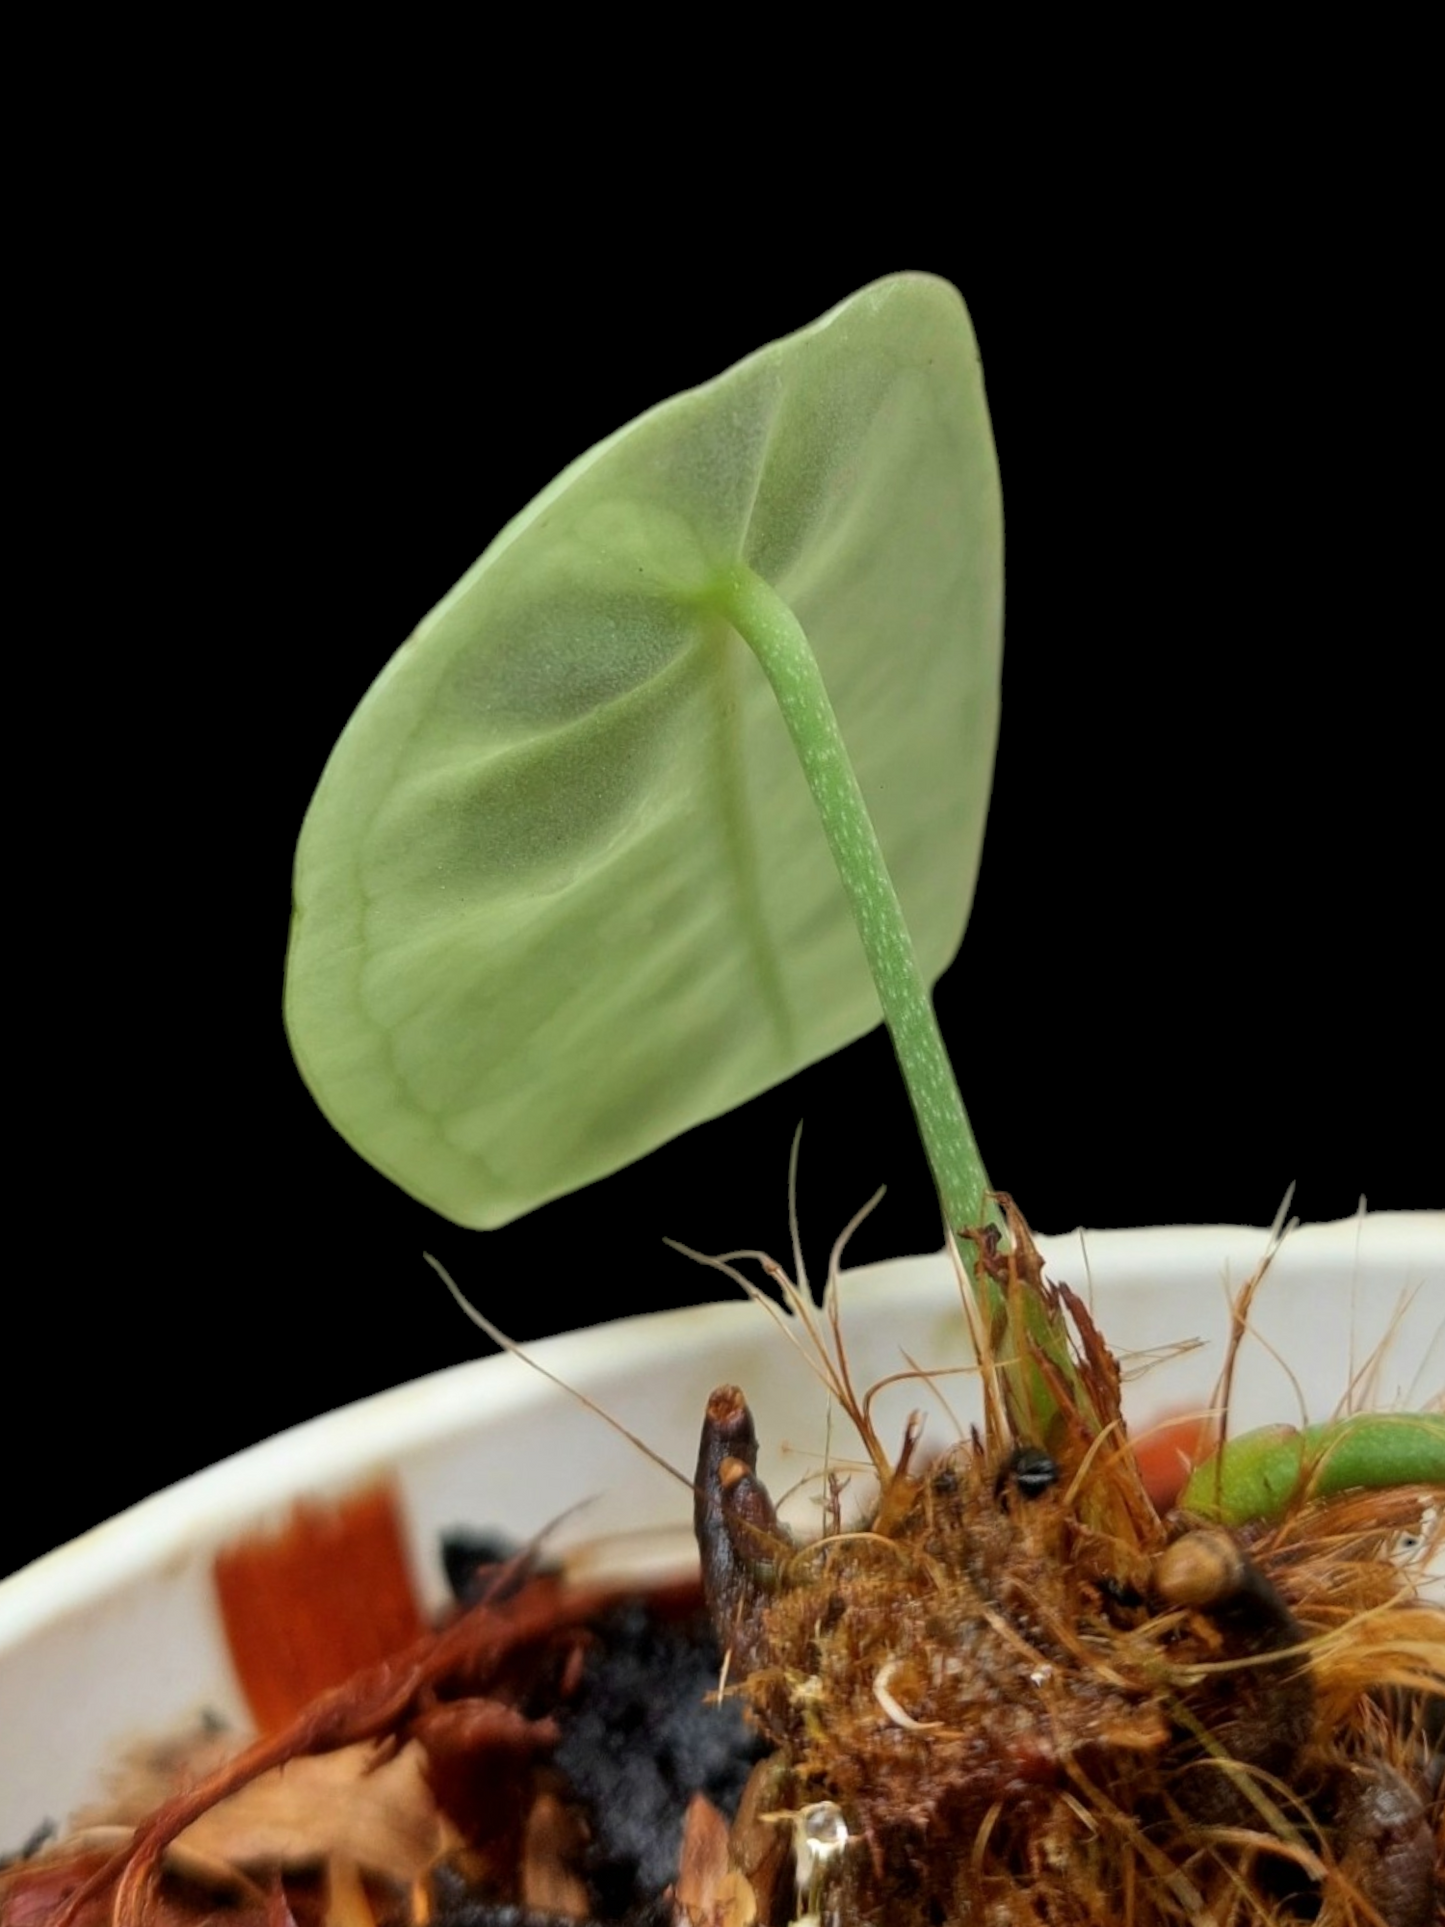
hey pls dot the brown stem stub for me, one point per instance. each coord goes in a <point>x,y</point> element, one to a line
<point>739,1540</point>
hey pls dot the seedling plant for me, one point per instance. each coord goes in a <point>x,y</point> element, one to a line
<point>682,784</point>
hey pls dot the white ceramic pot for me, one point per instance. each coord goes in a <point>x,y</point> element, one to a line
<point>117,1636</point>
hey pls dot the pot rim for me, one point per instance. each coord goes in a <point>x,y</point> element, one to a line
<point>333,1448</point>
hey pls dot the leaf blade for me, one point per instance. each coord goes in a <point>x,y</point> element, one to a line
<point>560,893</point>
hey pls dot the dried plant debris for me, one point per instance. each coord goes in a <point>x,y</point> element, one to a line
<point>516,1767</point>
<point>1017,1693</point>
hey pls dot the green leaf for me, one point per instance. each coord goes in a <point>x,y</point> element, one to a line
<point>561,892</point>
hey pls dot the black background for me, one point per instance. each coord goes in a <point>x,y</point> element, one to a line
<point>1201,962</point>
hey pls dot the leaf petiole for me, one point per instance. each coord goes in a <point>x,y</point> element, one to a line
<point>770,629</point>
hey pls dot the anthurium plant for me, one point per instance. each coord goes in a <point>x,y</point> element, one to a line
<point>679,789</point>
